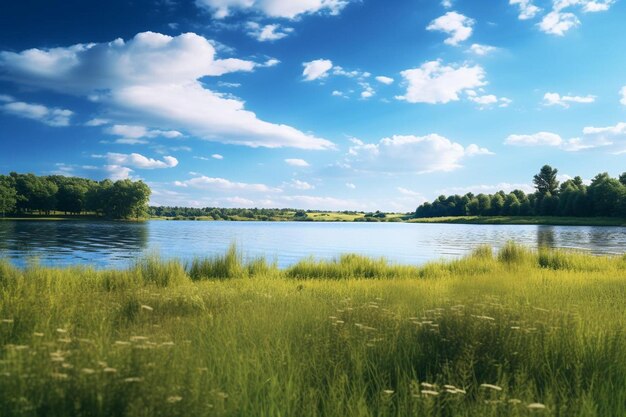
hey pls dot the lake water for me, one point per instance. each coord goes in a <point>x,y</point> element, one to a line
<point>117,244</point>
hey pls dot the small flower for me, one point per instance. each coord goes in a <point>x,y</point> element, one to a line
<point>429,393</point>
<point>491,386</point>
<point>536,406</point>
<point>388,392</point>
<point>146,307</point>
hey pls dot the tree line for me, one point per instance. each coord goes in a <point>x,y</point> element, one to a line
<point>28,194</point>
<point>605,196</point>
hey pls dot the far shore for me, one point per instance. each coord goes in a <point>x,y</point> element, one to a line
<point>360,217</point>
<point>523,220</point>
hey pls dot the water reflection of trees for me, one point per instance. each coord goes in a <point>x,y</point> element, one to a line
<point>27,236</point>
<point>546,236</point>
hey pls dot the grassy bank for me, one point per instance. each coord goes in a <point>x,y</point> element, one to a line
<point>516,333</point>
<point>546,220</point>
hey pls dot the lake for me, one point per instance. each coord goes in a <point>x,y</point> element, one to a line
<point>117,244</point>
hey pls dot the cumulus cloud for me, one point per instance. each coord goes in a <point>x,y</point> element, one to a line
<point>384,80</point>
<point>558,21</point>
<point>435,83</point>
<point>482,50</point>
<point>419,154</point>
<point>289,9</point>
<point>217,156</point>
<point>351,186</point>
<point>610,138</point>
<point>457,26</point>
<point>51,116</point>
<point>224,185</point>
<point>153,79</point>
<point>527,10</point>
<point>136,160</point>
<point>316,69</point>
<point>117,172</point>
<point>623,94</point>
<point>272,32</point>
<point>297,162</point>
<point>555,99</point>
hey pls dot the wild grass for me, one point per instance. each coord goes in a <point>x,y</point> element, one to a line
<point>513,333</point>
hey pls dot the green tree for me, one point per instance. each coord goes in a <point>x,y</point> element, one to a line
<point>8,196</point>
<point>545,181</point>
<point>605,195</point>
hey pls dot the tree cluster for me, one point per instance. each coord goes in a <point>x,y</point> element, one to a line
<point>605,196</point>
<point>26,194</point>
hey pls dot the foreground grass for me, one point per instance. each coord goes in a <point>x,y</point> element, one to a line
<point>516,333</point>
<point>547,220</point>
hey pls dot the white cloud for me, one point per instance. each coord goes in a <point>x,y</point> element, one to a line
<point>316,69</point>
<point>51,116</point>
<point>537,139</point>
<point>133,134</point>
<point>217,156</point>
<point>436,83</point>
<point>446,3</point>
<point>593,138</point>
<point>350,186</point>
<point>116,172</point>
<point>384,80</point>
<point>289,9</point>
<point>272,32</point>
<point>136,160</point>
<point>482,50</point>
<point>224,185</point>
<point>474,149</point>
<point>297,162</point>
<point>153,80</point>
<point>527,10</point>
<point>487,100</point>
<point>613,138</point>
<point>407,192</point>
<point>623,94</point>
<point>300,185</point>
<point>557,23</point>
<point>555,99</point>
<point>5,98</point>
<point>457,26</point>
<point>368,91</point>
<point>97,122</point>
<point>419,154</point>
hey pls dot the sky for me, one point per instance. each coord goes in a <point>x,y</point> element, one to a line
<point>315,104</point>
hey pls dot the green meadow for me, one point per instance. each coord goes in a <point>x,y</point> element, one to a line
<point>513,333</point>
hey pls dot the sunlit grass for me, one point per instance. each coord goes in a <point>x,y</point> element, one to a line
<point>513,333</point>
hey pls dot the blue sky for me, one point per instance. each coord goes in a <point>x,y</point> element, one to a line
<point>321,104</point>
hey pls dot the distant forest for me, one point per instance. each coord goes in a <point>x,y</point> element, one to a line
<point>605,197</point>
<point>27,194</point>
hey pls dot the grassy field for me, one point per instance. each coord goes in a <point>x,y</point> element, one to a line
<point>516,333</point>
<point>547,220</point>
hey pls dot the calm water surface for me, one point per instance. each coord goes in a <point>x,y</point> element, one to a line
<point>114,244</point>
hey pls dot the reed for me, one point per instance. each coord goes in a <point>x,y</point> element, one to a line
<point>515,333</point>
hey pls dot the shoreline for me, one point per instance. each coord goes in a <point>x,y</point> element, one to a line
<point>331,217</point>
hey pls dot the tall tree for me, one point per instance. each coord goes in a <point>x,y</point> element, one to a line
<point>545,181</point>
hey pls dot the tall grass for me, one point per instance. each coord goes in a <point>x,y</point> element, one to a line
<point>513,333</point>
